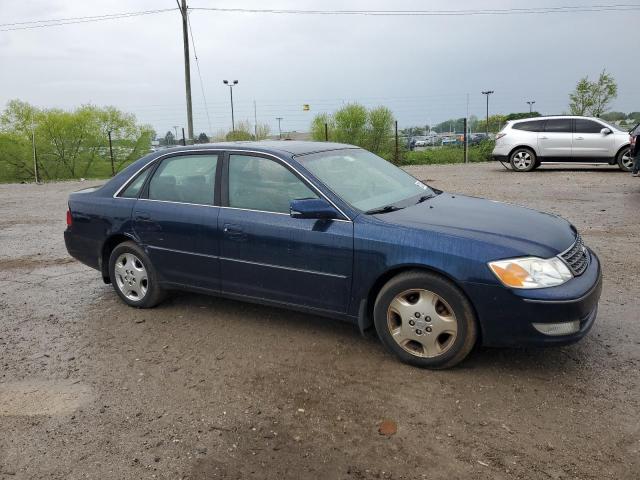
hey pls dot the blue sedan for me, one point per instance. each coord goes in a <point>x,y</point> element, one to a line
<point>335,230</point>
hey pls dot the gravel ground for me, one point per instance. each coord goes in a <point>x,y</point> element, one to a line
<point>211,388</point>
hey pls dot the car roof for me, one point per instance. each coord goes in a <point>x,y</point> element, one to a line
<point>546,117</point>
<point>290,147</point>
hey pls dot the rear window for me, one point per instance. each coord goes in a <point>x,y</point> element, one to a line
<point>530,126</point>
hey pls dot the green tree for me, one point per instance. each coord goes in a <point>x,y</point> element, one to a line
<point>203,138</point>
<point>354,124</point>
<point>379,132</point>
<point>263,130</point>
<point>593,98</point>
<point>70,144</point>
<point>242,132</point>
<point>614,116</point>
<point>350,124</point>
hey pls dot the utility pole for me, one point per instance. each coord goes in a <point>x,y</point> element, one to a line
<point>113,170</point>
<point>255,121</point>
<point>187,67</point>
<point>396,156</point>
<point>486,127</point>
<point>184,142</point>
<point>35,154</point>
<point>279,128</point>
<point>231,84</point>
<point>175,137</point>
<point>466,143</point>
<point>531,102</point>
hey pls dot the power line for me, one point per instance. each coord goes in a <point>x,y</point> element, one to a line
<point>505,11</point>
<point>204,98</point>
<point>27,25</point>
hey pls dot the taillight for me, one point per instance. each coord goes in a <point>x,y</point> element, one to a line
<point>500,135</point>
<point>69,218</point>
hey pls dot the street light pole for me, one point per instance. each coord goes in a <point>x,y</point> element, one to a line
<point>231,85</point>
<point>531,102</point>
<point>486,127</point>
<point>279,128</point>
<point>175,129</point>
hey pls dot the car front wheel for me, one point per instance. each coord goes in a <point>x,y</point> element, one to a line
<point>625,160</point>
<point>133,277</point>
<point>523,160</point>
<point>425,320</point>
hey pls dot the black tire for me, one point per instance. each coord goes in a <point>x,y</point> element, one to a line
<point>523,159</point>
<point>624,164</point>
<point>149,291</point>
<point>459,346</point>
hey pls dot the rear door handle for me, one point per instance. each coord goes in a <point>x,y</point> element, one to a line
<point>143,216</point>
<point>543,138</point>
<point>579,138</point>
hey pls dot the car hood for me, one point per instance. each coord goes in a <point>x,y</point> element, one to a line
<point>522,231</point>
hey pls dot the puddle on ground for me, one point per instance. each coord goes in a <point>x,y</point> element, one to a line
<point>42,397</point>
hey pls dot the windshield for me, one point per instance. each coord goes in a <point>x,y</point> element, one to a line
<point>611,125</point>
<point>363,179</point>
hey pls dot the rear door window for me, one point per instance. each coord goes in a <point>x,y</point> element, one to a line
<point>558,125</point>
<point>185,179</point>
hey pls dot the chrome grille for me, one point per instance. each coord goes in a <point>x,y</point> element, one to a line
<point>576,257</point>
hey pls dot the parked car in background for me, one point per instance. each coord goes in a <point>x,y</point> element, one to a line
<point>334,230</point>
<point>528,143</point>
<point>477,138</point>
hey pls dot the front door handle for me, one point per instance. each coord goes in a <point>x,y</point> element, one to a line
<point>579,138</point>
<point>234,232</point>
<point>543,138</point>
<point>143,216</point>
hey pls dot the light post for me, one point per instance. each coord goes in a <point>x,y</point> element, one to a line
<point>486,127</point>
<point>175,129</point>
<point>231,84</point>
<point>531,102</point>
<point>279,128</point>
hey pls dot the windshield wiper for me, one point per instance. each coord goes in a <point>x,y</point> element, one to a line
<point>385,209</point>
<point>425,197</point>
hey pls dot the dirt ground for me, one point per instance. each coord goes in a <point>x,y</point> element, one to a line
<point>203,388</point>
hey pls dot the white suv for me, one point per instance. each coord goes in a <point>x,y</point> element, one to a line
<point>527,143</point>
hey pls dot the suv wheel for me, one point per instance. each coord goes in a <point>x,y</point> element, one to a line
<point>523,160</point>
<point>425,320</point>
<point>625,160</point>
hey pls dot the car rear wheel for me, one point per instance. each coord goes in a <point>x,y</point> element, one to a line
<point>133,277</point>
<point>425,320</point>
<point>523,160</point>
<point>625,160</point>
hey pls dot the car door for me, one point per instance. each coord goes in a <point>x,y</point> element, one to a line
<point>555,142</point>
<point>267,254</point>
<point>589,144</point>
<point>177,222</point>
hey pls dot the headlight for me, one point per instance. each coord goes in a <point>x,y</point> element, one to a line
<point>531,272</point>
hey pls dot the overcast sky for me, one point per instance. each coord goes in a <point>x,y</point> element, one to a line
<point>420,67</point>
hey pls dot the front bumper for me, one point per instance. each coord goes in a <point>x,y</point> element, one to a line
<point>507,316</point>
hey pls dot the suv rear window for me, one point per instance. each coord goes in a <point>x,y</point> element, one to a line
<point>558,125</point>
<point>530,126</point>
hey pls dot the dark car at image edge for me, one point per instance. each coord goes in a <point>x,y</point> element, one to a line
<point>333,230</point>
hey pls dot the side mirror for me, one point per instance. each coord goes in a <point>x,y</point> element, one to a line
<point>606,131</point>
<point>312,208</point>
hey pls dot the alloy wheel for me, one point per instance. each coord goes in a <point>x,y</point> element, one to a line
<point>131,277</point>
<point>627,159</point>
<point>522,160</point>
<point>422,323</point>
